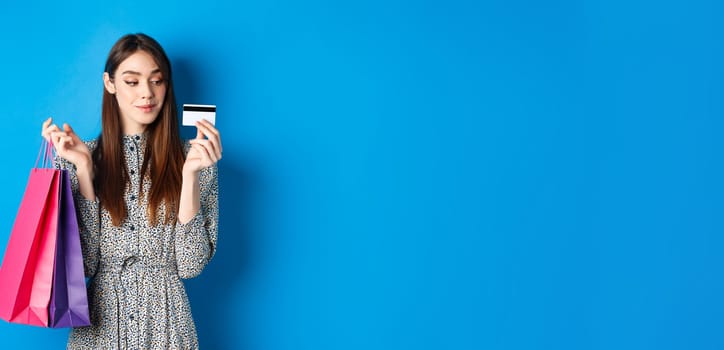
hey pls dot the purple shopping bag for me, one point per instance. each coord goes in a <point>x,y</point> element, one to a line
<point>69,298</point>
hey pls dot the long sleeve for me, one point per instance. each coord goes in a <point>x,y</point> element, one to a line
<point>195,241</point>
<point>88,212</point>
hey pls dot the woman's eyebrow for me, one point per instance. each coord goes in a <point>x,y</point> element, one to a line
<point>157,70</point>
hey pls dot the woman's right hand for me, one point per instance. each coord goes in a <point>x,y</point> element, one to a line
<point>67,144</point>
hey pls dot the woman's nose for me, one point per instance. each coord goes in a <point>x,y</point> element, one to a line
<point>147,91</point>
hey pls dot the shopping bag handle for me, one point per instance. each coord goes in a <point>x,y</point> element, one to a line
<point>47,153</point>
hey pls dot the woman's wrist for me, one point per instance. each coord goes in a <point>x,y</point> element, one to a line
<point>190,174</point>
<point>84,168</point>
<point>84,172</point>
<point>189,205</point>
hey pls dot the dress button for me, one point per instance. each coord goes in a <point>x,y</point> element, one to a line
<point>138,137</point>
<point>132,149</point>
<point>133,197</point>
<point>132,227</point>
<point>131,317</point>
<point>133,172</point>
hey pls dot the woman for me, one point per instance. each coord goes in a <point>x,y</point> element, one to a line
<point>147,205</point>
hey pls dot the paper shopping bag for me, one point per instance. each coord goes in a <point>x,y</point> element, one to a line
<point>26,275</point>
<point>69,298</point>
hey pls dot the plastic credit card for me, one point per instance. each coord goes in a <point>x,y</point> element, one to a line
<point>194,113</point>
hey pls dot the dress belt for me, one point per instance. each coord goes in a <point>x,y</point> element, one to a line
<point>120,265</point>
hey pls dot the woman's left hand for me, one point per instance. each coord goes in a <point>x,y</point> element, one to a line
<point>205,148</point>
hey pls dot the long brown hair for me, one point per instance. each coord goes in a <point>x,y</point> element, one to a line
<point>163,158</point>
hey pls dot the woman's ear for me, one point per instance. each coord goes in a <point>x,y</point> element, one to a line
<point>108,83</point>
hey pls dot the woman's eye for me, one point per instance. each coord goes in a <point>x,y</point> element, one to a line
<point>131,83</point>
<point>157,82</point>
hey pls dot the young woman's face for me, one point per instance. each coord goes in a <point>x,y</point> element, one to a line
<point>140,89</point>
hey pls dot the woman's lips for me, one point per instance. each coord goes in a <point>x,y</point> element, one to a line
<point>146,108</point>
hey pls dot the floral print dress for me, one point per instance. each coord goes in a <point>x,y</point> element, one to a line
<point>136,297</point>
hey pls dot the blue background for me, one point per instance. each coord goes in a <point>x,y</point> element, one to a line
<point>422,174</point>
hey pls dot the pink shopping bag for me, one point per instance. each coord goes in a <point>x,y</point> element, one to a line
<point>26,275</point>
